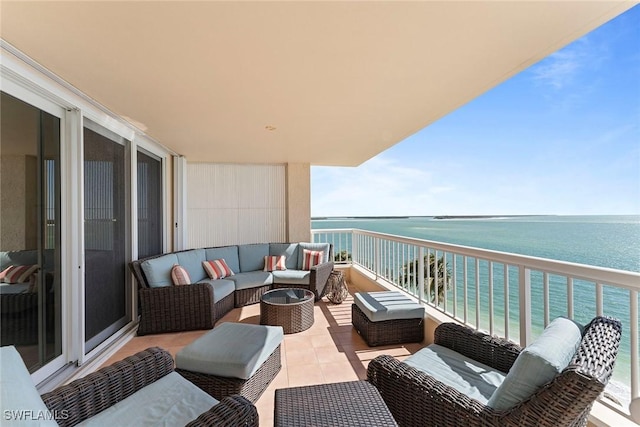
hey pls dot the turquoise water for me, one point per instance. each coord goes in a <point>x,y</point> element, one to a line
<point>604,241</point>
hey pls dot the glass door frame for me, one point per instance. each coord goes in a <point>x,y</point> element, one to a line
<point>13,87</point>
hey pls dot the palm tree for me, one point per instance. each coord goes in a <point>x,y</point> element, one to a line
<point>443,274</point>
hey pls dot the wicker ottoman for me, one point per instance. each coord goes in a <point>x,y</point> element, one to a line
<point>233,358</point>
<point>387,317</point>
<point>353,404</point>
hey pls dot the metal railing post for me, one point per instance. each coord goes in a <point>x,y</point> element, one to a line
<point>524,282</point>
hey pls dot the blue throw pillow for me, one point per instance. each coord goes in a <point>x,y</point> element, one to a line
<point>538,363</point>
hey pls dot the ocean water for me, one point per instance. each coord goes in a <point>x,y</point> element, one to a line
<point>605,241</point>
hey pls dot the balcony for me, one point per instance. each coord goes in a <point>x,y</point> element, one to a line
<point>331,351</point>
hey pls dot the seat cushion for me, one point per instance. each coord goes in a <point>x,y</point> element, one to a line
<point>388,305</point>
<point>233,350</point>
<point>466,375</point>
<point>18,394</point>
<point>539,363</point>
<point>252,256</point>
<point>158,270</point>
<point>252,279</point>
<point>292,277</point>
<point>228,253</point>
<point>169,401</point>
<point>324,247</point>
<point>289,250</point>
<point>192,262</point>
<point>221,288</point>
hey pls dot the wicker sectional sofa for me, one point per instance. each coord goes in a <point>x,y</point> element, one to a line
<point>168,308</point>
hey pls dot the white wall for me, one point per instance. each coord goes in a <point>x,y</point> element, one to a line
<point>235,204</point>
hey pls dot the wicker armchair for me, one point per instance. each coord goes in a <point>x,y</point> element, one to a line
<point>86,397</point>
<point>417,399</point>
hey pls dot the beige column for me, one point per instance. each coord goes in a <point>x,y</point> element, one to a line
<point>298,183</point>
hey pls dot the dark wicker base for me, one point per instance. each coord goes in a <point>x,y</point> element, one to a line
<point>252,388</point>
<point>250,296</point>
<point>223,306</point>
<point>388,331</point>
<point>293,318</point>
<point>353,404</point>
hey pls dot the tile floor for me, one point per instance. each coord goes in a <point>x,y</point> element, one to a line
<point>329,351</point>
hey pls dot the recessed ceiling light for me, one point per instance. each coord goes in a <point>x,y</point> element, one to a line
<point>270,128</point>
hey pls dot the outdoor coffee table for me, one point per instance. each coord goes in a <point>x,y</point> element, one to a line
<point>290,308</point>
<point>353,404</point>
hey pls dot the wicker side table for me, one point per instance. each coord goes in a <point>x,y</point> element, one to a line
<point>353,404</point>
<point>290,308</point>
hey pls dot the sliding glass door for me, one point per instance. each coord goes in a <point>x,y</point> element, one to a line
<point>30,232</point>
<point>149,205</point>
<point>106,234</point>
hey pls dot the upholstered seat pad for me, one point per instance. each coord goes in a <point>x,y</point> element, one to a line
<point>17,391</point>
<point>469,377</point>
<point>233,350</point>
<point>251,279</point>
<point>388,305</point>
<point>291,277</point>
<point>221,288</point>
<point>169,401</point>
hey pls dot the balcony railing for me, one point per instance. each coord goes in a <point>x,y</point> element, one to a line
<point>506,294</point>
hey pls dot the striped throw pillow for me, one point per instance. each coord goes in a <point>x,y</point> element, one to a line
<point>311,258</point>
<point>180,276</point>
<point>217,269</point>
<point>19,273</point>
<point>275,262</point>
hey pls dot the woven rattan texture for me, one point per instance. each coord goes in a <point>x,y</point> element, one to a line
<point>176,308</point>
<point>417,399</point>
<point>252,388</point>
<point>293,318</point>
<point>250,296</point>
<point>337,290</point>
<point>353,404</point>
<point>387,332</point>
<point>233,411</point>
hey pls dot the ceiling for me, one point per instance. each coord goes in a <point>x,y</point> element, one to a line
<point>339,81</point>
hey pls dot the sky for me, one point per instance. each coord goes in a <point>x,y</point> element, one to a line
<point>562,137</point>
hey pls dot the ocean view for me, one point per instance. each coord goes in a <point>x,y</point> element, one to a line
<point>610,241</point>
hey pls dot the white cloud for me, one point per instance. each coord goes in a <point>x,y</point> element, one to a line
<point>380,186</point>
<point>560,68</point>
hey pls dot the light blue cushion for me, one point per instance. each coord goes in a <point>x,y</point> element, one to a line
<point>228,253</point>
<point>252,256</point>
<point>469,377</point>
<point>158,270</point>
<point>539,363</point>
<point>221,287</point>
<point>252,279</point>
<point>291,277</point>
<point>8,258</point>
<point>18,393</point>
<point>169,401</point>
<point>233,350</point>
<point>324,247</point>
<point>388,305</point>
<point>192,262</point>
<point>289,250</point>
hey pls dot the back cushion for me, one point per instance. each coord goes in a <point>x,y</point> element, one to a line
<point>158,270</point>
<point>289,250</point>
<point>538,363</point>
<point>252,256</point>
<point>228,253</point>
<point>324,247</point>
<point>192,262</point>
